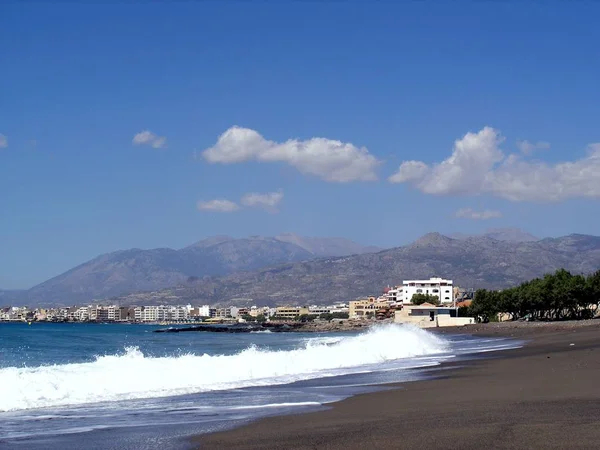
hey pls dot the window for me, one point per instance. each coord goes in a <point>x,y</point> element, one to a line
<point>419,291</point>
<point>435,291</point>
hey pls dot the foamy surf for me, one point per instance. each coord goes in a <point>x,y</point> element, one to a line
<point>133,375</point>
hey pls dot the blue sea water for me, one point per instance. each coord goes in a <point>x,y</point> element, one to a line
<point>114,386</point>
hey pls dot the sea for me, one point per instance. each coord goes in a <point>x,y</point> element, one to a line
<point>118,386</point>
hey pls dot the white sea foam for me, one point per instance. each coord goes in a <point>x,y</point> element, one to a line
<point>132,375</point>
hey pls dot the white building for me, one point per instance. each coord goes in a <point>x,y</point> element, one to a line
<point>204,311</point>
<point>428,316</point>
<point>82,314</point>
<point>318,310</point>
<point>438,287</point>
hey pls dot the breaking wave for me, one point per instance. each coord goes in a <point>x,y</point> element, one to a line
<point>133,375</point>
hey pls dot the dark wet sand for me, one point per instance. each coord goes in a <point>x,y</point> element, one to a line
<point>544,395</point>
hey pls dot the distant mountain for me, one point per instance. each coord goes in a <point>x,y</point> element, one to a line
<point>11,296</point>
<point>474,262</point>
<point>133,270</point>
<point>331,246</point>
<point>502,234</point>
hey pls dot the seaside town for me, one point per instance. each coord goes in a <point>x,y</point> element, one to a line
<point>441,305</point>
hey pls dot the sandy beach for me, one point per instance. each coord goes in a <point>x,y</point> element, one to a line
<point>543,395</point>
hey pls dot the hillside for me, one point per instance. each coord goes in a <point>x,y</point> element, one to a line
<point>124,271</point>
<point>474,262</point>
<point>501,234</point>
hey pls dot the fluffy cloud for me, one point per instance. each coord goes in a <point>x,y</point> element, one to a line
<point>268,201</point>
<point>478,166</point>
<point>468,213</point>
<point>3,141</point>
<point>328,159</point>
<point>219,205</point>
<point>527,147</point>
<point>149,138</point>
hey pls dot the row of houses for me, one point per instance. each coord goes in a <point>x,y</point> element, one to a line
<point>393,299</point>
<point>161,313</point>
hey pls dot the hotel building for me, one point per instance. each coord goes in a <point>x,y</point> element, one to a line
<point>439,287</point>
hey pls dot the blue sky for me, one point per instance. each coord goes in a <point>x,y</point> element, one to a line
<point>391,83</point>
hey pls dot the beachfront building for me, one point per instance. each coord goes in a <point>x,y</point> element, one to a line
<point>256,311</point>
<point>318,310</point>
<point>237,312</point>
<point>291,312</point>
<point>204,311</point>
<point>438,287</point>
<point>339,308</point>
<point>222,313</point>
<point>429,316</point>
<point>394,294</point>
<point>82,314</point>
<point>366,308</point>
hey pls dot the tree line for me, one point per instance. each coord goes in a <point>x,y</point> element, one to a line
<point>557,296</point>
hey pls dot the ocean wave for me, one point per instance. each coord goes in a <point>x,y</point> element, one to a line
<point>132,375</point>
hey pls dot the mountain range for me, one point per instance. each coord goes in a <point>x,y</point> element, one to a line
<point>135,269</point>
<point>471,262</point>
<point>293,269</point>
<point>501,234</point>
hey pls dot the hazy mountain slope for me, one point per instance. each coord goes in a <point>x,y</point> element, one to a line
<point>10,297</point>
<point>327,246</point>
<point>472,263</point>
<point>113,274</point>
<point>501,234</point>
<point>133,270</point>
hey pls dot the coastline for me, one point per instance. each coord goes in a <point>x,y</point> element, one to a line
<point>543,395</point>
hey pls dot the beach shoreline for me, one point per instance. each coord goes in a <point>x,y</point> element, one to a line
<point>542,395</point>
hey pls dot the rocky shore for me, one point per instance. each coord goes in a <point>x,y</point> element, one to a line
<point>316,326</point>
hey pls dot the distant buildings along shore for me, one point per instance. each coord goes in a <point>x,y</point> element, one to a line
<point>381,307</point>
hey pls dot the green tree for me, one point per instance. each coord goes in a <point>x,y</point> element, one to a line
<point>419,299</point>
<point>485,305</point>
<point>557,296</point>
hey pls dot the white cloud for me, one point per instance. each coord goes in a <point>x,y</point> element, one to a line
<point>527,147</point>
<point>218,205</point>
<point>478,166</point>
<point>328,159</point>
<point>468,213</point>
<point>3,141</point>
<point>147,137</point>
<point>268,201</point>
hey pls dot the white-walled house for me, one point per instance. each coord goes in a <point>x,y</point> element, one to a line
<point>438,287</point>
<point>429,316</point>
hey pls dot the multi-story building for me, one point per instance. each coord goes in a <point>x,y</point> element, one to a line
<point>438,287</point>
<point>238,312</point>
<point>204,311</point>
<point>125,313</point>
<point>82,314</point>
<point>291,312</point>
<point>138,313</point>
<point>256,311</point>
<point>318,310</point>
<point>339,308</point>
<point>222,313</point>
<point>366,308</point>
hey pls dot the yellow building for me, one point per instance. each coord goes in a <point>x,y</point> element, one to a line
<point>361,309</point>
<point>291,312</point>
